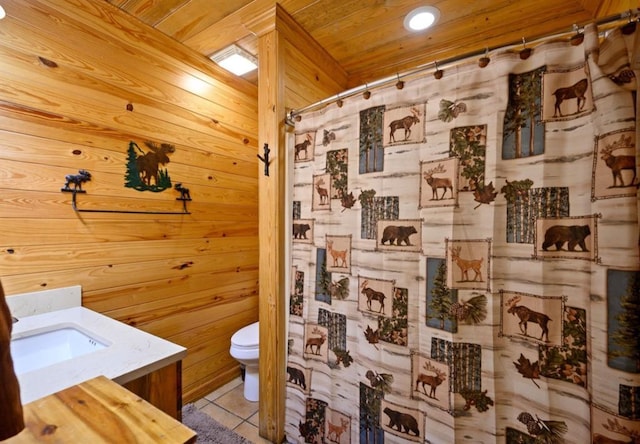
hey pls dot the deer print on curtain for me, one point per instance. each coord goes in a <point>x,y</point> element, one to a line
<point>464,256</point>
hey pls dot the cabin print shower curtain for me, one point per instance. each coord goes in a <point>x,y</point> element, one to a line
<point>464,261</point>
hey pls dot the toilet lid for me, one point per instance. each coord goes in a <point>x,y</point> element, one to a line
<point>247,336</point>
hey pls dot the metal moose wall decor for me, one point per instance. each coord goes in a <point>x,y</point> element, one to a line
<point>144,173</point>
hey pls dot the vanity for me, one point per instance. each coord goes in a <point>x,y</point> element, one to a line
<point>57,345</point>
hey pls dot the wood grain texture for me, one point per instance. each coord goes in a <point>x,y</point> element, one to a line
<point>173,275</point>
<point>308,79</point>
<point>162,388</point>
<point>99,410</point>
<point>130,62</point>
<point>194,16</point>
<point>129,276</point>
<point>367,39</point>
<point>37,231</point>
<point>39,258</point>
<point>272,230</point>
<point>57,205</point>
<point>150,12</point>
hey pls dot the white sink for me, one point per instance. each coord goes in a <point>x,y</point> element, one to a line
<point>56,344</point>
<point>50,362</point>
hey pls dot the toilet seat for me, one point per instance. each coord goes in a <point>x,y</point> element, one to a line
<point>247,337</point>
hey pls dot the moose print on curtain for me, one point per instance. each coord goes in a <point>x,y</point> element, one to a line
<point>465,256</point>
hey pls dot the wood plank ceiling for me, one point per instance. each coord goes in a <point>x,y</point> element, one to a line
<point>367,37</point>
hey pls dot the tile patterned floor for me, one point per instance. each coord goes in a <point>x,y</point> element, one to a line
<point>228,406</point>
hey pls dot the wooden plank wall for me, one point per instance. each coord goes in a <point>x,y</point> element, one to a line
<point>310,73</point>
<point>191,279</point>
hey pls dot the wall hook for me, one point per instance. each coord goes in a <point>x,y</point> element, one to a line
<point>265,159</point>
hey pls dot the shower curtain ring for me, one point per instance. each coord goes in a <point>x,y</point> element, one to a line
<point>630,26</point>
<point>484,60</point>
<point>578,37</point>
<point>438,73</point>
<point>366,93</point>
<point>400,83</point>
<point>524,52</point>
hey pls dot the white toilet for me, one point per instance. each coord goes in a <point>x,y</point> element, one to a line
<point>244,348</point>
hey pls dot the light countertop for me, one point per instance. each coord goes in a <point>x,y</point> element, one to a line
<point>131,352</point>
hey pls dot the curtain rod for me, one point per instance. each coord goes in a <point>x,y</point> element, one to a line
<point>447,63</point>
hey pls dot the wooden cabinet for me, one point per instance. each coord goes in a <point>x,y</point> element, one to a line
<point>161,388</point>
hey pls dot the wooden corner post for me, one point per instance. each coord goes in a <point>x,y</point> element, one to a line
<point>272,230</point>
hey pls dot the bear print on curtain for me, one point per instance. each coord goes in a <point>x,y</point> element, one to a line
<point>465,256</point>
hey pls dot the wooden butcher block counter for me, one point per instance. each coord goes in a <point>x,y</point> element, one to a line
<point>98,411</point>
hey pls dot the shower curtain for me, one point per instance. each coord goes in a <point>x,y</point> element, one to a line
<point>464,255</point>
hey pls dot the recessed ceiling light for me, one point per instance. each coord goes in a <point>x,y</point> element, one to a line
<point>2,13</point>
<point>421,18</point>
<point>235,59</point>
